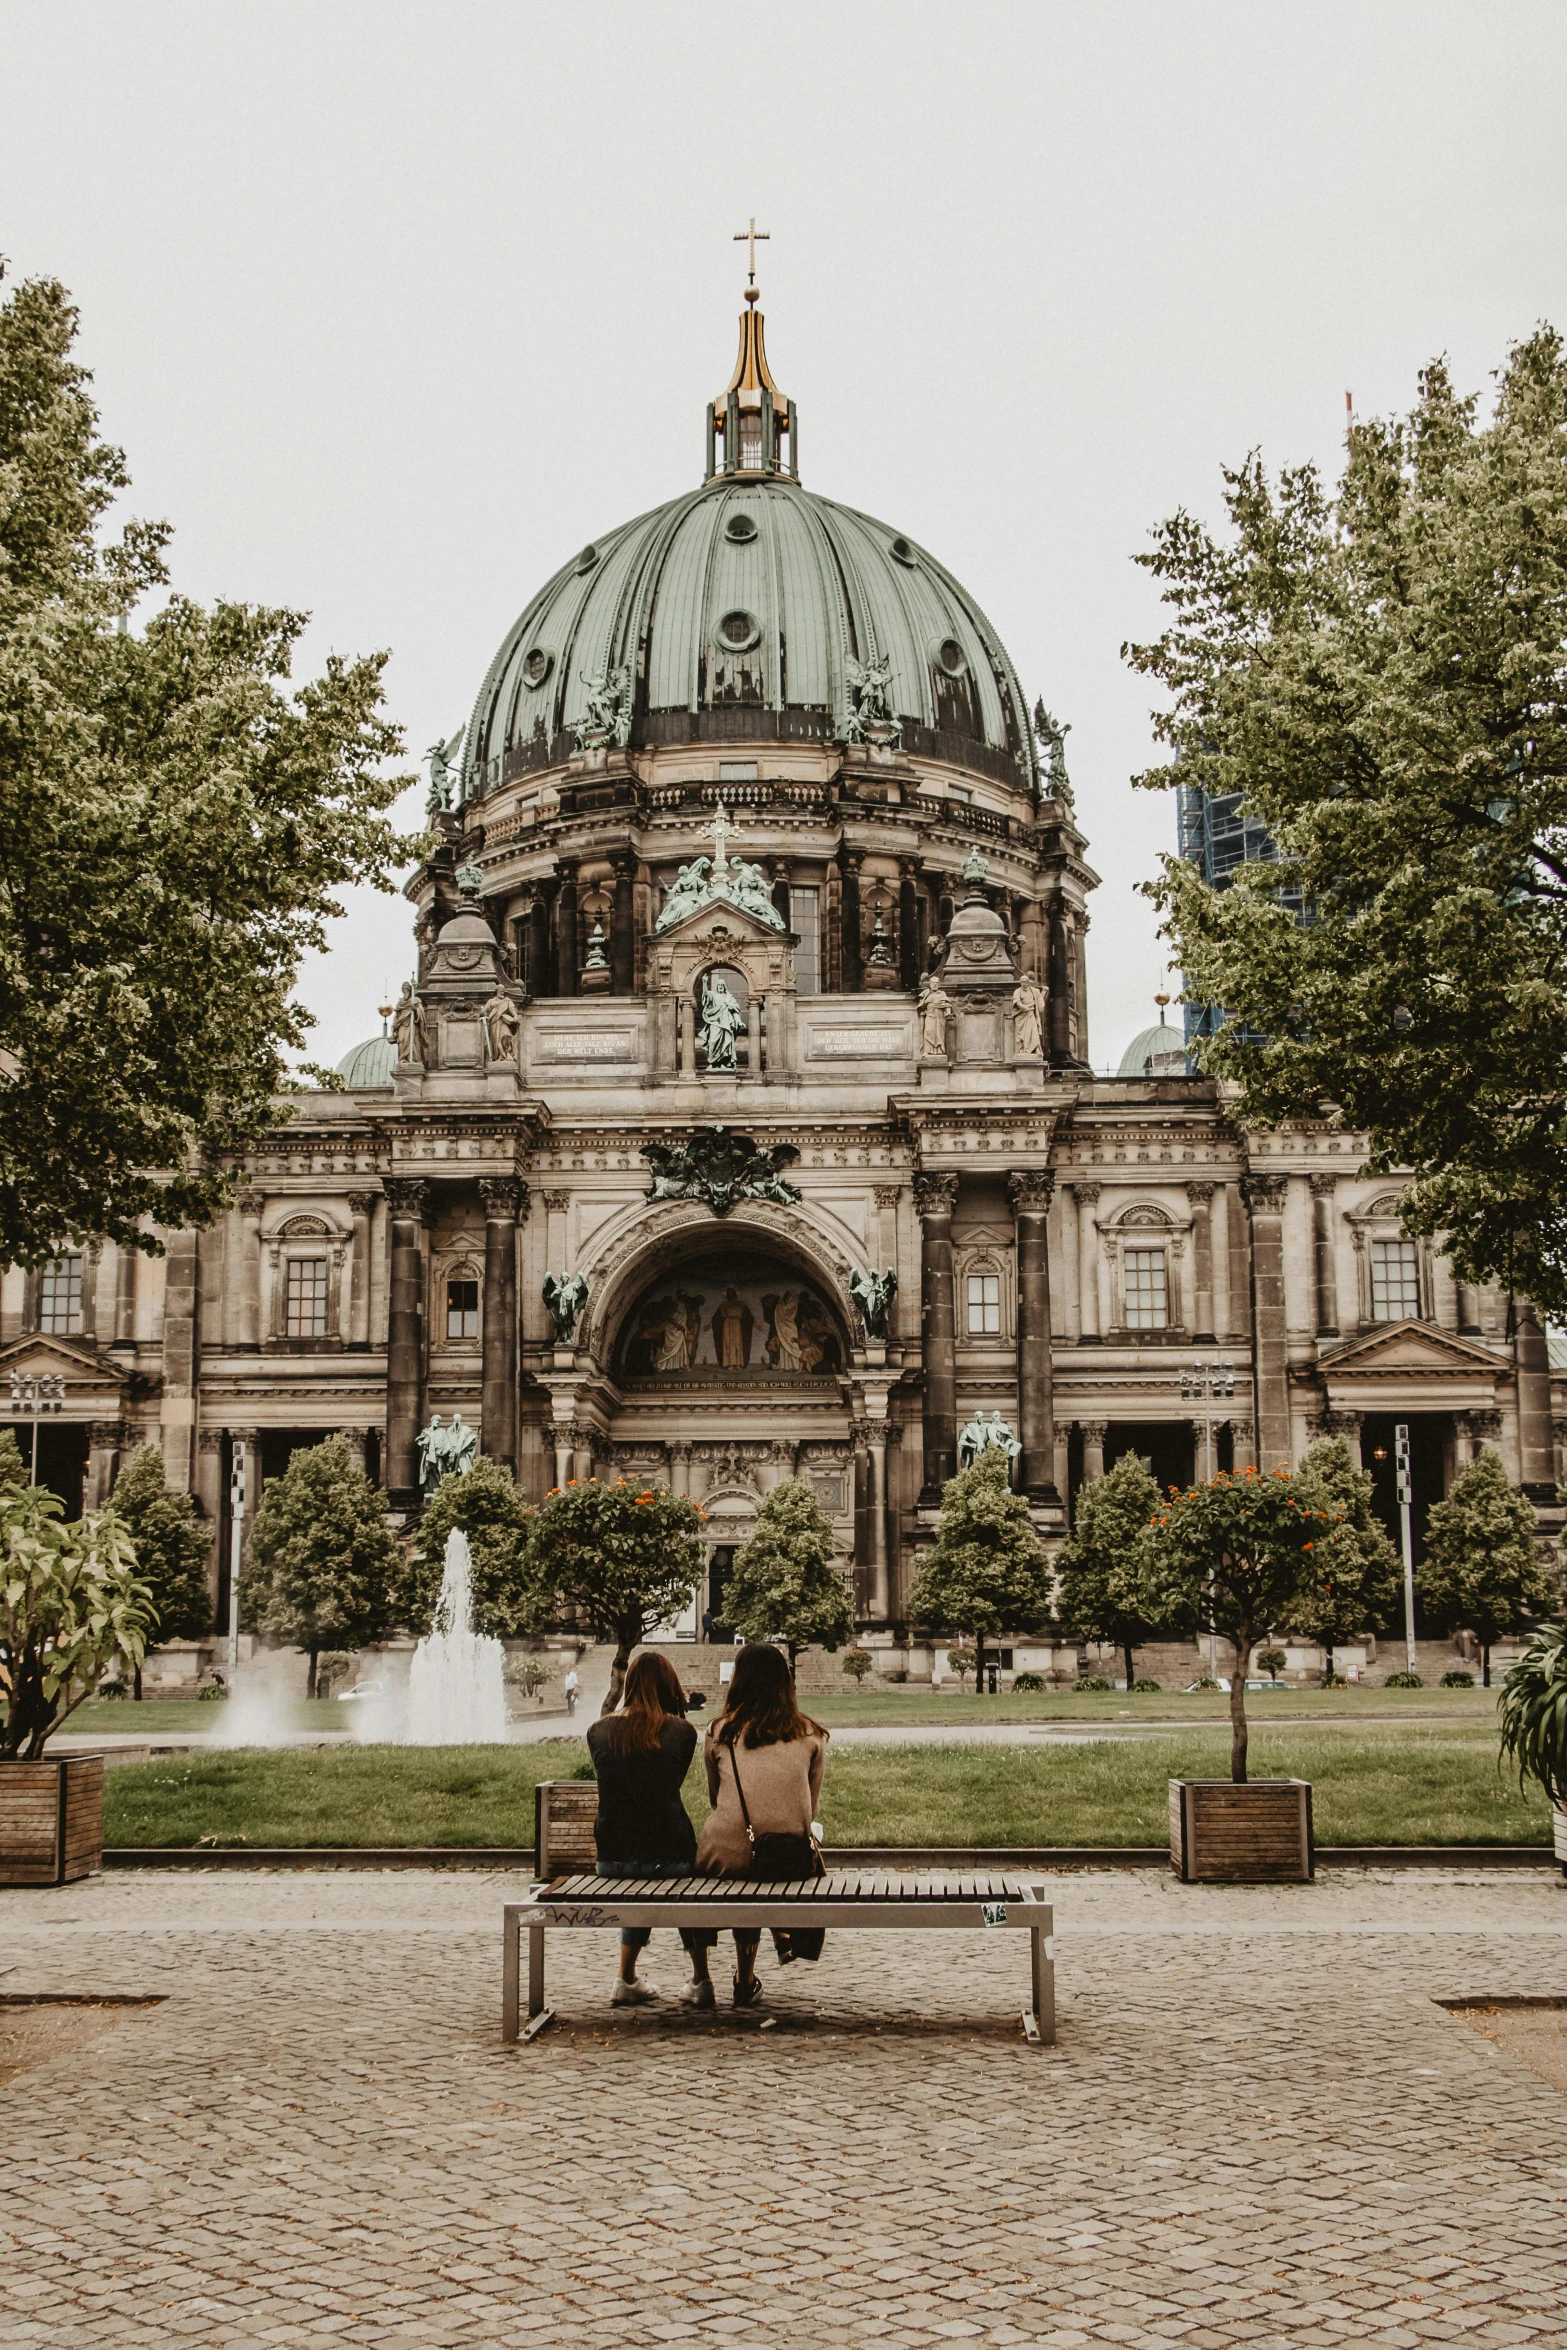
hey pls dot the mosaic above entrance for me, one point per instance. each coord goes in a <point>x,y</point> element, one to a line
<point>739,1318</point>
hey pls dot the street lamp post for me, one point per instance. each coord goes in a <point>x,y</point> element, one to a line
<point>236,1540</point>
<point>1206,1384</point>
<point>34,1394</point>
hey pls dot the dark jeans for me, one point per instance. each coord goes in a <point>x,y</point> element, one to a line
<point>638,1937</point>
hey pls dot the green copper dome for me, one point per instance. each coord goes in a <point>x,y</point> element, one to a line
<point>1155,1052</point>
<point>369,1064</point>
<point>750,610</point>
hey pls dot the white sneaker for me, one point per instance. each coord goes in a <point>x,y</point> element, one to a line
<point>698,1995</point>
<point>632,1994</point>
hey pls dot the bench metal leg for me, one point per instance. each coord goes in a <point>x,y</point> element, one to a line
<point>511,1954</point>
<point>1040,2021</point>
<point>539,2016</point>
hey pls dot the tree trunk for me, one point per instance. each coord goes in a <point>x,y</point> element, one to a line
<point>1485,1664</point>
<point>979,1664</point>
<point>310,1684</point>
<point>136,1683</point>
<point>794,1654</point>
<point>1327,1650</point>
<point>624,1643</point>
<point>1238,1714</point>
<point>1131,1669</point>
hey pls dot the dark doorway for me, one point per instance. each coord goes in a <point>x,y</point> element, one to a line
<point>720,1566</point>
<point>1167,1446</point>
<point>62,1458</point>
<point>1428,1433</point>
<point>277,1448</point>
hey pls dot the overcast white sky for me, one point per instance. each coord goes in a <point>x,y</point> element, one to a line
<point>394,306</point>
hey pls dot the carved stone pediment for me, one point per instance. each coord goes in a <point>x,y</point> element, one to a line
<point>1411,1366</point>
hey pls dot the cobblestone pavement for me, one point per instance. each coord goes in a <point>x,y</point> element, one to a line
<point>1257,2127</point>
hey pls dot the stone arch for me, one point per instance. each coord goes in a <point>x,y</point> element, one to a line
<point>660,1236</point>
<point>1145,1217</point>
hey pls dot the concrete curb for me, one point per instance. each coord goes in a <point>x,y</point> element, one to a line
<point>862,1856</point>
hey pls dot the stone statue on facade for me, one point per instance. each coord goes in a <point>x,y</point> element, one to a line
<point>445,780</point>
<point>873,1293</point>
<point>980,1434</point>
<point>446,1452</point>
<point>607,718</point>
<point>565,1294</point>
<point>1028,1015</point>
<point>713,880</point>
<point>500,1027</point>
<point>408,1031</point>
<point>935,1004</point>
<point>722,1021</point>
<point>871,719</point>
<point>1053,736</point>
<point>720,1168</point>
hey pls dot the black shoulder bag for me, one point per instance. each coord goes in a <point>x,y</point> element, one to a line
<point>780,1858</point>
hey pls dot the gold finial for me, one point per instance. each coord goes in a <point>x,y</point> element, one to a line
<point>751,236</point>
<point>1161,1001</point>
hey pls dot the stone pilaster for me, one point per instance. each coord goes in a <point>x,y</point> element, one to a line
<point>361,1206</point>
<point>1536,1455</point>
<point>1029,1192</point>
<point>1322,1190</point>
<point>1265,1195</point>
<point>1088,1261</point>
<point>251,1206</point>
<point>935,1198</point>
<point>849,863</point>
<point>1200,1199</point>
<point>504,1199</point>
<point>407,1200</point>
<point>180,1340</point>
<point>623,935</point>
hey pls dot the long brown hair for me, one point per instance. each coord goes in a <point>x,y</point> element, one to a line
<point>761,1706</point>
<point>650,1697</point>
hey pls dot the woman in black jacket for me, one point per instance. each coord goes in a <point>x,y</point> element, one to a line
<point>640,1757</point>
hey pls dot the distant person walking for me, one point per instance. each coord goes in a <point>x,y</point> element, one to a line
<point>570,1686</point>
<point>640,1758</point>
<point>764,1778</point>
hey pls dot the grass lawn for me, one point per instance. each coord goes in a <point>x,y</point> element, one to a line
<point>1420,1785</point>
<point>888,1707</point>
<point>155,1716</point>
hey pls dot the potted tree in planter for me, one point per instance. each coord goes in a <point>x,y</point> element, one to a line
<point>70,1606</point>
<point>1232,1558</point>
<point>1534,1723</point>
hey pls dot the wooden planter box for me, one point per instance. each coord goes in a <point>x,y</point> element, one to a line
<point>51,1820</point>
<point>1259,1834</point>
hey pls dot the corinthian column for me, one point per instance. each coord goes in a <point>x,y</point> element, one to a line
<point>1088,1261</point>
<point>1536,1452</point>
<point>1265,1195</point>
<point>407,1201</point>
<point>1029,1192</point>
<point>502,1198</point>
<point>935,1197</point>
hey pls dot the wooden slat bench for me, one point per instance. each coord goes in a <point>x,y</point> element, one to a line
<point>844,1897</point>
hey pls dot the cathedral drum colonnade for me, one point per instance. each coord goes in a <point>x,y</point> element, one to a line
<point>737,1121</point>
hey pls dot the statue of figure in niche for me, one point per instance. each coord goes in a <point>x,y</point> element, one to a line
<point>935,1004</point>
<point>784,1346</point>
<point>722,1021</point>
<point>733,1325</point>
<point>500,1026</point>
<point>873,1293</point>
<point>1028,1011</point>
<point>565,1294</point>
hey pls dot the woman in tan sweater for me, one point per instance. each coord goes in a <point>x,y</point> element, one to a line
<point>762,1748</point>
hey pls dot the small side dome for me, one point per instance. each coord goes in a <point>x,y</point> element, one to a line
<point>369,1064</point>
<point>1155,1052</point>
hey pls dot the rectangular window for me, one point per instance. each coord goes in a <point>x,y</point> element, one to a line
<point>305,1297</point>
<point>805,916</point>
<point>984,1304</point>
<point>1147,1300</point>
<point>737,770</point>
<point>1395,1281</point>
<point>462,1309</point>
<point>60,1298</point>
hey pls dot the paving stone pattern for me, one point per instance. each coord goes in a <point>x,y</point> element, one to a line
<point>1257,2127</point>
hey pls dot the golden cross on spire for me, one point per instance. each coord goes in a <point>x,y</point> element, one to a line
<point>751,236</point>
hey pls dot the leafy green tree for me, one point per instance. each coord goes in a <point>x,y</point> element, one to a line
<point>786,1583</point>
<point>1356,1578</point>
<point>1534,1714</point>
<point>71,1606</point>
<point>13,1469</point>
<point>488,1507</point>
<point>1230,1558</point>
<point>857,1663</point>
<point>175,830</point>
<point>172,1549</point>
<point>987,1573</point>
<point>624,1556</point>
<point>1482,1571</point>
<point>1378,673</point>
<point>1100,1588</point>
<point>323,1561</point>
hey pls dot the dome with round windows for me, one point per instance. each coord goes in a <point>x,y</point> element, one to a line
<point>751,609</point>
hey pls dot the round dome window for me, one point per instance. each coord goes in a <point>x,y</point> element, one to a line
<point>905,552</point>
<point>739,631</point>
<point>741,527</point>
<point>951,657</point>
<point>588,557</point>
<point>536,667</point>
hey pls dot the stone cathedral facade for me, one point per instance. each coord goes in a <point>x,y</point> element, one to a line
<point>740,1121</point>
